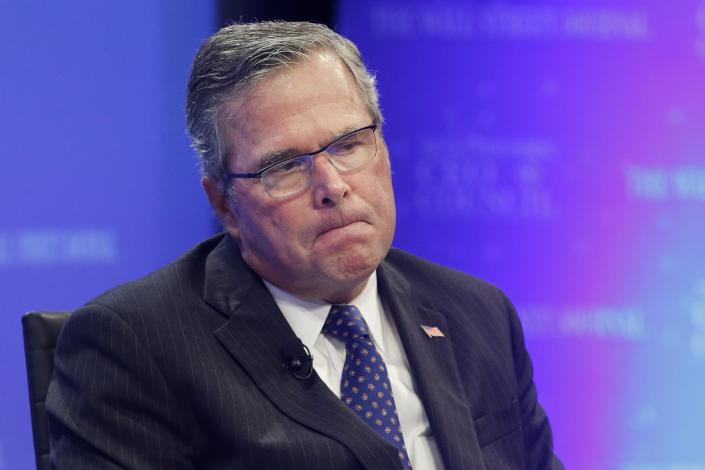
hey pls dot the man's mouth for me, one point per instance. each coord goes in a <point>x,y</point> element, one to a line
<point>332,228</point>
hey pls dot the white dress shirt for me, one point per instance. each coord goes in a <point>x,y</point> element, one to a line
<point>306,318</point>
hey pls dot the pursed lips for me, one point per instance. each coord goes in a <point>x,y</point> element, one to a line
<point>334,225</point>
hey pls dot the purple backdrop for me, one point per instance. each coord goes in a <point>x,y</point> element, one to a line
<point>558,150</point>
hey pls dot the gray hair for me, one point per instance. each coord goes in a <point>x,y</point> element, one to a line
<point>241,55</point>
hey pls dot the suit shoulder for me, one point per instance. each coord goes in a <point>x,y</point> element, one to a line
<point>446,289</point>
<point>181,277</point>
<point>419,271</point>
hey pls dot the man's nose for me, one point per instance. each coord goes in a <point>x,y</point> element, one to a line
<point>329,187</point>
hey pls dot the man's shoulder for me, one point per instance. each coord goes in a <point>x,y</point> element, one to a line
<point>443,288</point>
<point>183,277</point>
<point>419,271</point>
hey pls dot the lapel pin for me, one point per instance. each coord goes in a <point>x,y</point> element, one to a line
<point>432,331</point>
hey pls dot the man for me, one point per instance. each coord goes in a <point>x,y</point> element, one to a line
<point>199,365</point>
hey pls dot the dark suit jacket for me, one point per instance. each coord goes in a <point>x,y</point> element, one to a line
<point>183,369</point>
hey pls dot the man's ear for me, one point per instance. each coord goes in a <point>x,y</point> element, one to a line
<point>221,203</point>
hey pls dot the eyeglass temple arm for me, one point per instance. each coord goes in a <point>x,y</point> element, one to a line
<point>229,176</point>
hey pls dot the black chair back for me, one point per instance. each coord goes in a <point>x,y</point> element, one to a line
<point>40,329</point>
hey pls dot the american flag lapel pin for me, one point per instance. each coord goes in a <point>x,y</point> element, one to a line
<point>432,331</point>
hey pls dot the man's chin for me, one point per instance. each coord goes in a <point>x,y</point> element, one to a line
<point>354,263</point>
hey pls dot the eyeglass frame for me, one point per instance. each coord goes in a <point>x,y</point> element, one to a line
<point>258,174</point>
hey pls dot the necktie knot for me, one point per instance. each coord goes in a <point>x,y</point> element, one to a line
<point>345,323</point>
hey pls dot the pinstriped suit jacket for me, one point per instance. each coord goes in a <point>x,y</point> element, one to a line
<point>182,370</point>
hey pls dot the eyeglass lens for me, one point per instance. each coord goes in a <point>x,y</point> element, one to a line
<point>346,154</point>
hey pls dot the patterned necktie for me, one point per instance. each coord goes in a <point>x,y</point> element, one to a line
<point>365,386</point>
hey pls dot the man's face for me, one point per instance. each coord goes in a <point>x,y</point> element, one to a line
<point>326,241</point>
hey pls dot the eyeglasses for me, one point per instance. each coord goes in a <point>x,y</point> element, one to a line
<point>293,175</point>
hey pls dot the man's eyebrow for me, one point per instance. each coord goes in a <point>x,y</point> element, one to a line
<point>270,158</point>
<point>275,156</point>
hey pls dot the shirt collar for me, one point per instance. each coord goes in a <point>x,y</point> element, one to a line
<point>306,317</point>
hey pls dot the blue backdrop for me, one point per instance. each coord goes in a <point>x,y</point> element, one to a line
<point>98,184</point>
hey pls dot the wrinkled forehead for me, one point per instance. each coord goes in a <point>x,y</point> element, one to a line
<point>320,82</point>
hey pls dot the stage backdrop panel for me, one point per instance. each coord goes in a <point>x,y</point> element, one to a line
<point>557,149</point>
<point>98,184</point>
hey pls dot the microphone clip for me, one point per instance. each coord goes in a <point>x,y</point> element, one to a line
<point>300,365</point>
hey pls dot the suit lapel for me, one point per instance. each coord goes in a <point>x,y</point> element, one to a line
<point>255,334</point>
<point>435,371</point>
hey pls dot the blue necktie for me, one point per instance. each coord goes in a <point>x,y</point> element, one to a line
<point>365,385</point>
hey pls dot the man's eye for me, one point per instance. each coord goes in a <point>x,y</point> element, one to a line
<point>344,148</point>
<point>289,166</point>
